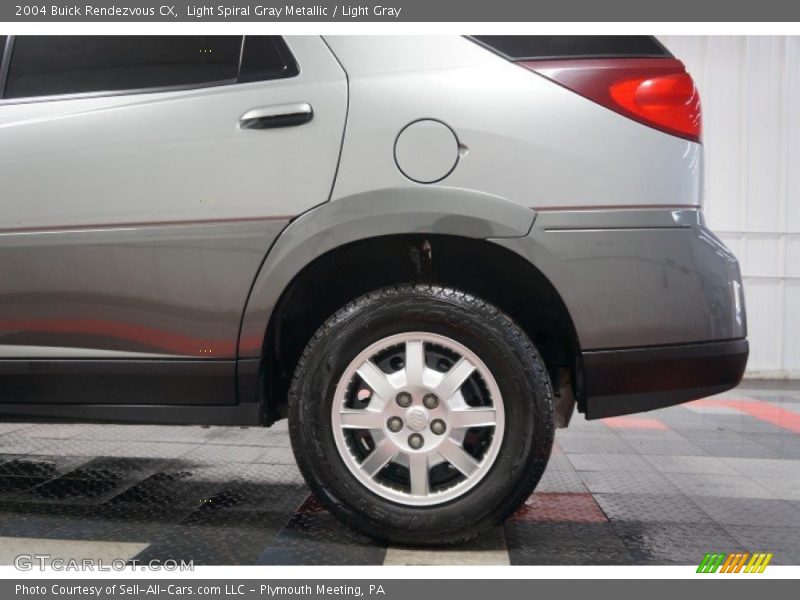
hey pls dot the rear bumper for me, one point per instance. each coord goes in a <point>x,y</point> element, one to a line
<point>638,278</point>
<point>623,381</point>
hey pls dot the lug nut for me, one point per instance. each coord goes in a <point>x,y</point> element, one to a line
<point>430,401</point>
<point>415,440</point>
<point>395,424</point>
<point>404,399</point>
<point>438,427</point>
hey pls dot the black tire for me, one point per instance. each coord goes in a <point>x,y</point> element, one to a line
<point>486,331</point>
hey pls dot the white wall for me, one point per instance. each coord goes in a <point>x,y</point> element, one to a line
<point>750,92</point>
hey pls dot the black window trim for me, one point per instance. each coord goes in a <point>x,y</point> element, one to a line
<point>291,68</point>
<point>5,63</point>
<point>493,50</point>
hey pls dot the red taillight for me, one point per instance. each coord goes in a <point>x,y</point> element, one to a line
<point>670,101</point>
<point>656,92</point>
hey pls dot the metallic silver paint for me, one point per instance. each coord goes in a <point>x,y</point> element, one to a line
<point>530,140</point>
<point>137,223</point>
<point>638,278</point>
<point>65,352</point>
<point>173,156</point>
<point>426,151</point>
<point>162,290</point>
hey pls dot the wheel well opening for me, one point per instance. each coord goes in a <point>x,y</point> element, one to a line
<point>482,268</point>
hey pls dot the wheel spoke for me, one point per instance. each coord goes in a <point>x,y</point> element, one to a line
<point>472,417</point>
<point>418,471</point>
<point>382,454</point>
<point>361,419</point>
<point>417,419</point>
<point>377,380</point>
<point>454,379</point>
<point>458,457</point>
<point>415,362</point>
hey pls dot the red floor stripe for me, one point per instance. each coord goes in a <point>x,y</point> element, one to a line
<point>560,508</point>
<point>763,411</point>
<point>634,423</point>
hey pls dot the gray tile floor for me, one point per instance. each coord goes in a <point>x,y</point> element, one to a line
<point>721,474</point>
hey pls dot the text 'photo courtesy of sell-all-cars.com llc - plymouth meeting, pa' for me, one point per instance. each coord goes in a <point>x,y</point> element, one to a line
<point>425,252</point>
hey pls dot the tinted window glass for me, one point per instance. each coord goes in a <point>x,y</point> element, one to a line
<point>266,57</point>
<point>521,47</point>
<point>48,65</point>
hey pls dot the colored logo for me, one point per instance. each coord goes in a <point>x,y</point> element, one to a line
<point>743,562</point>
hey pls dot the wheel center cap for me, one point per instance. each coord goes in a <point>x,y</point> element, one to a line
<point>417,419</point>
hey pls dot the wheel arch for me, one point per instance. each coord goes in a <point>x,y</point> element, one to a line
<point>432,235</point>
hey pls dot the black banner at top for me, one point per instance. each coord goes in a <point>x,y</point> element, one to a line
<point>400,11</point>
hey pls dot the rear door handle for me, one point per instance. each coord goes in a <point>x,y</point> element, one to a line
<point>279,115</point>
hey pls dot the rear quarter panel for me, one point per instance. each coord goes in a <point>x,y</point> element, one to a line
<point>523,137</point>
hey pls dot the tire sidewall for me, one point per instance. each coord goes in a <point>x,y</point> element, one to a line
<point>485,331</point>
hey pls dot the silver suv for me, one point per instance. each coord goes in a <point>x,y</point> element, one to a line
<point>423,251</point>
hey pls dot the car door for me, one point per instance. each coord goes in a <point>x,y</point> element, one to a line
<point>142,181</point>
